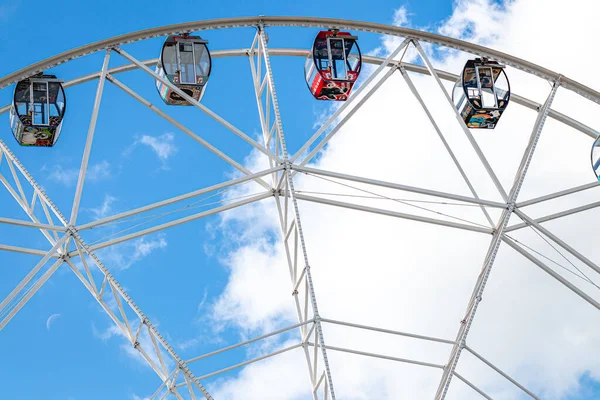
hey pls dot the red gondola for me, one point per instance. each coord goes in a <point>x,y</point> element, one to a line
<point>333,65</point>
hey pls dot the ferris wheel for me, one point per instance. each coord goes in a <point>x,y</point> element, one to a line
<point>335,71</point>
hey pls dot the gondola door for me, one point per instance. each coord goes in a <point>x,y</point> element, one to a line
<point>485,80</point>
<point>40,101</point>
<point>337,58</point>
<point>186,63</point>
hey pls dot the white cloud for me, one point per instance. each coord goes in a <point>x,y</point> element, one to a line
<point>68,176</point>
<point>162,146</point>
<point>401,16</point>
<point>99,171</point>
<point>124,255</point>
<point>417,278</point>
<point>104,209</point>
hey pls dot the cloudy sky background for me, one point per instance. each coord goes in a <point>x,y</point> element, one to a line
<point>417,278</point>
<point>367,269</point>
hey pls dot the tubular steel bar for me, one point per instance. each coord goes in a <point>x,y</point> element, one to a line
<point>392,332</point>
<point>185,130</point>
<point>189,218</point>
<point>462,172</point>
<point>382,356</point>
<point>19,222</point>
<point>561,193</point>
<point>550,272</point>
<point>34,252</point>
<point>197,104</point>
<point>234,346</point>
<point>555,216</point>
<point>398,186</point>
<point>300,21</point>
<point>285,349</point>
<point>116,288</point>
<point>179,198</point>
<point>89,140</point>
<point>396,214</point>
<point>29,294</point>
<point>555,238</point>
<point>493,248</point>
<point>472,386</point>
<point>33,272</point>
<point>466,130</point>
<point>119,291</point>
<point>350,101</point>
<point>359,102</point>
<point>296,212</point>
<point>498,370</point>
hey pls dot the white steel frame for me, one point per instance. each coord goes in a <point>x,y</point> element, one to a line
<point>278,182</point>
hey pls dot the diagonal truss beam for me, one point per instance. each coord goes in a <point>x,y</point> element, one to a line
<point>557,215</point>
<point>24,250</point>
<point>348,103</point>
<point>197,104</point>
<point>462,172</point>
<point>398,186</point>
<point>89,140</point>
<point>381,211</point>
<point>550,272</point>
<point>180,221</point>
<point>494,245</point>
<point>185,130</point>
<point>28,294</point>
<point>29,206</point>
<point>291,227</point>
<point>342,122</point>
<point>176,199</point>
<point>15,292</point>
<point>558,194</point>
<point>498,370</point>
<point>158,351</point>
<point>466,130</point>
<point>556,239</point>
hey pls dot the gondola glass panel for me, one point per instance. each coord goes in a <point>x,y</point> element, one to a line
<point>596,157</point>
<point>37,111</point>
<point>185,61</point>
<point>482,93</point>
<point>333,65</point>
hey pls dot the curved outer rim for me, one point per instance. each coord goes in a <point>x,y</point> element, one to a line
<point>240,22</point>
<point>365,59</point>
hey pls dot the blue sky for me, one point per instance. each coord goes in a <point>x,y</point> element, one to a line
<point>139,158</point>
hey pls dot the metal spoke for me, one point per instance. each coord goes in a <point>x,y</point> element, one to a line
<point>493,248</point>
<point>289,225</point>
<point>414,90</point>
<point>197,104</point>
<point>466,130</point>
<point>278,182</point>
<point>389,60</point>
<point>89,140</point>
